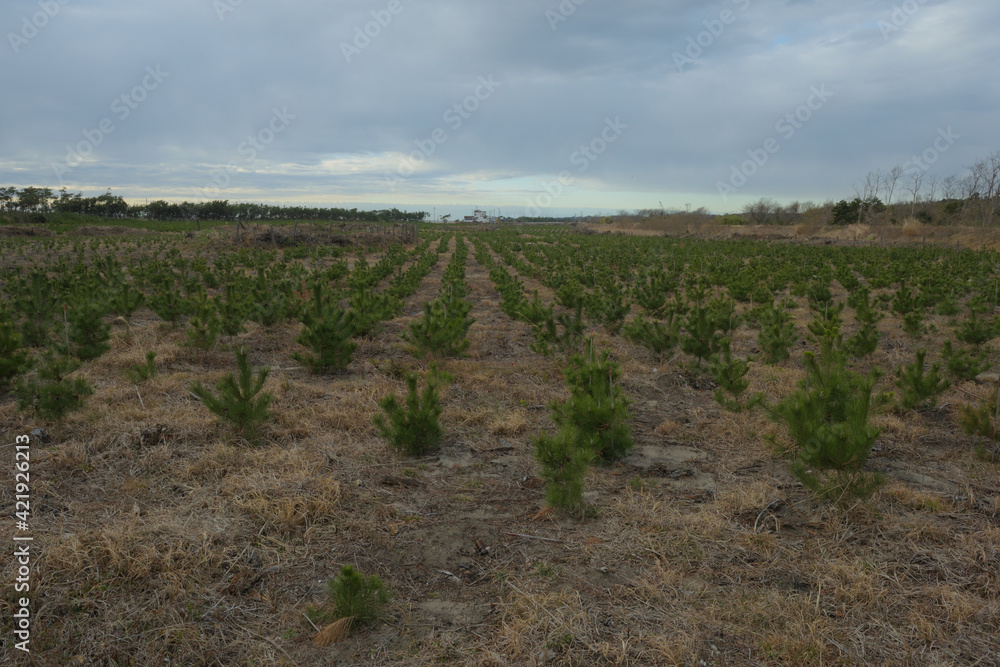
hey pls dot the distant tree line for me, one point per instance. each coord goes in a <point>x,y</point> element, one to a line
<point>890,197</point>
<point>35,202</point>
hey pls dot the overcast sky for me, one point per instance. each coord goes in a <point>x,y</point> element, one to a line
<point>527,107</point>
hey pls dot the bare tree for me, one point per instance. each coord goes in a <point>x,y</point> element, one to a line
<point>889,183</point>
<point>981,188</point>
<point>758,212</point>
<point>867,190</point>
<point>786,215</point>
<point>932,186</point>
<point>916,181</point>
<point>951,187</point>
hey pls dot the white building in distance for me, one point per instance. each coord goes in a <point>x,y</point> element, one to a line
<point>479,216</point>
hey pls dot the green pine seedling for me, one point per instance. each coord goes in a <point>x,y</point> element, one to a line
<point>825,325</point>
<point>545,323</point>
<point>88,334</point>
<point>703,339</point>
<point>534,312</point>
<point>730,374</point>
<point>204,327</point>
<point>232,313</point>
<point>570,294</point>
<point>963,363</point>
<point>439,332</point>
<point>661,339</point>
<point>38,305</point>
<point>569,339</point>
<point>142,372</point>
<point>355,596</point>
<point>52,395</point>
<point>913,323</point>
<point>167,303</point>
<point>865,340</point>
<point>14,360</point>
<point>919,388</point>
<point>269,310</point>
<point>609,307</point>
<point>723,313</point>
<point>828,419</point>
<point>652,296</point>
<point>980,419</point>
<point>597,409</point>
<point>564,467</point>
<point>545,334</point>
<point>905,301</point>
<point>370,310</point>
<point>327,332</point>
<point>126,301</point>
<point>413,427</point>
<point>777,334</point>
<point>976,330</point>
<point>240,398</point>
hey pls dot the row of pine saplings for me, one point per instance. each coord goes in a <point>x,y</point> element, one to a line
<point>278,292</point>
<point>827,418</point>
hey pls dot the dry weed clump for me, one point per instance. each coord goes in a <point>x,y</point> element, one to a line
<point>282,501</point>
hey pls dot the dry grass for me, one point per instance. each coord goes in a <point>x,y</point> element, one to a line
<point>159,538</point>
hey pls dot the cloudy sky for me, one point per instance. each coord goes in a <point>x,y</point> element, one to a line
<point>543,107</point>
